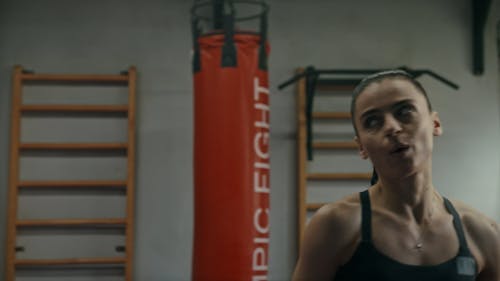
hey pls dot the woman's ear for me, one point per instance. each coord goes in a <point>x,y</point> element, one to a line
<point>437,129</point>
<point>362,151</point>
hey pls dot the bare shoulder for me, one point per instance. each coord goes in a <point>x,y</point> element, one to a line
<point>485,235</point>
<point>326,238</point>
<point>340,213</point>
<point>476,222</point>
<point>340,219</point>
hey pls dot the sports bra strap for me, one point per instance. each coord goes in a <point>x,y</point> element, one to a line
<point>457,223</point>
<point>366,215</point>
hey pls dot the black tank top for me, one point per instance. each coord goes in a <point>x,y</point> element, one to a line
<point>368,264</point>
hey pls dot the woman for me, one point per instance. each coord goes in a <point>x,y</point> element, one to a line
<point>401,228</point>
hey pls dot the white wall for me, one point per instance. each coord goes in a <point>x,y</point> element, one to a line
<point>107,36</point>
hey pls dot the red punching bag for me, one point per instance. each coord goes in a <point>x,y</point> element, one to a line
<point>231,155</point>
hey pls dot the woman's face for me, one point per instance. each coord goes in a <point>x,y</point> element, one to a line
<point>395,127</point>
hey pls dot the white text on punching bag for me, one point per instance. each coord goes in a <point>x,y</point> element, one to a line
<point>261,184</point>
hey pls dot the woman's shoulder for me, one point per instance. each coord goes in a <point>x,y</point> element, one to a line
<point>341,217</point>
<point>482,231</point>
<point>474,220</point>
<point>341,211</point>
<point>329,232</point>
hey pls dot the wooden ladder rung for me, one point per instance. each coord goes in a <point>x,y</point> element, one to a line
<point>339,176</point>
<point>314,206</point>
<point>73,184</point>
<point>72,222</point>
<point>74,146</point>
<point>75,108</point>
<point>75,78</point>
<point>331,115</point>
<point>71,261</point>
<point>335,145</point>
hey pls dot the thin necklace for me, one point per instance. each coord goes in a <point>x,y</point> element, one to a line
<point>419,243</point>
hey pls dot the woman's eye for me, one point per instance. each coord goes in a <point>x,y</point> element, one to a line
<point>371,122</point>
<point>404,110</point>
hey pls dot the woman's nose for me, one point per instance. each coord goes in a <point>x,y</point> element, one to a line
<point>391,125</point>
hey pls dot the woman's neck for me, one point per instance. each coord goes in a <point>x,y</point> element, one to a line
<point>413,197</point>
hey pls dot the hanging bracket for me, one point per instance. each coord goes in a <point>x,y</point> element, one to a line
<point>480,9</point>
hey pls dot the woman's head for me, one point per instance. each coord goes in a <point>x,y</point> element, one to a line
<point>394,123</point>
<point>379,76</point>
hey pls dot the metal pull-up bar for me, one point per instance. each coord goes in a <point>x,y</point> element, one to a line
<point>414,72</point>
<point>312,76</point>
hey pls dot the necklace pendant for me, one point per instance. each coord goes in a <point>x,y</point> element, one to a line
<point>419,246</point>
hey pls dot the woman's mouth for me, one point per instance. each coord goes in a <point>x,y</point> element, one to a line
<point>400,149</point>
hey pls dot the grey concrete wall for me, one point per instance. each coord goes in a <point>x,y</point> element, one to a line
<point>107,36</point>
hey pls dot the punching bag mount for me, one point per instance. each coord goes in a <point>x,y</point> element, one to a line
<point>198,6</point>
<point>225,15</point>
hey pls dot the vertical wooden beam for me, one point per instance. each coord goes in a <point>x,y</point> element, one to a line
<point>13,173</point>
<point>129,230</point>
<point>301,156</point>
